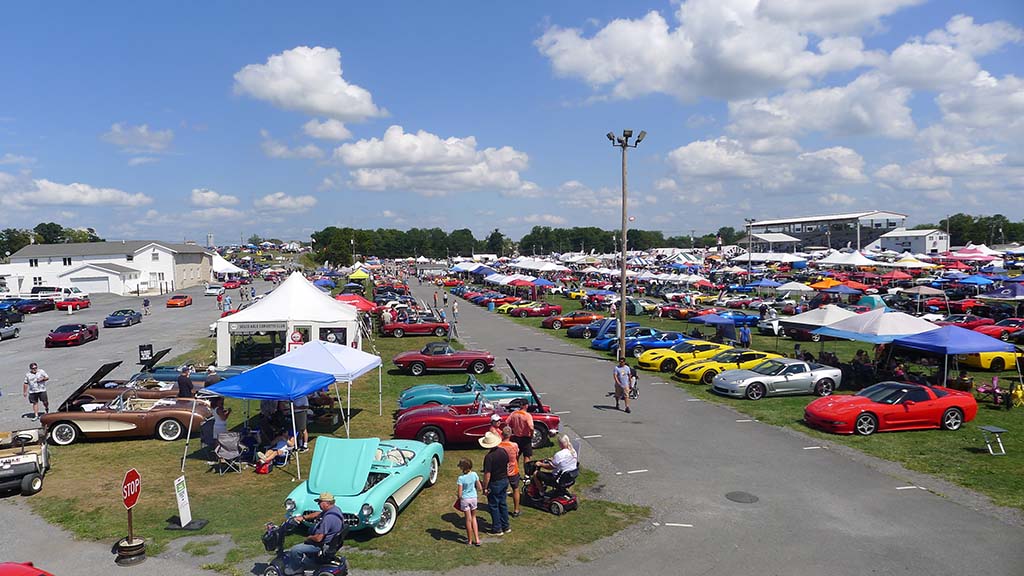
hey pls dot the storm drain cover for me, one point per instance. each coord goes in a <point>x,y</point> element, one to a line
<point>742,497</point>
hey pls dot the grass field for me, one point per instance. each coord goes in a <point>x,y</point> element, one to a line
<point>959,457</point>
<point>83,492</point>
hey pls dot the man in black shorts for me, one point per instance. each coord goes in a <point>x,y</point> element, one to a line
<point>35,389</point>
<point>521,423</point>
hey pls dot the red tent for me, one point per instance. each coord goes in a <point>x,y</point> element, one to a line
<point>520,283</point>
<point>361,304</point>
<point>856,285</point>
<point>896,275</point>
<point>956,266</point>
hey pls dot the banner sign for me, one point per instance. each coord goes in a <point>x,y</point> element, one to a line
<point>181,495</point>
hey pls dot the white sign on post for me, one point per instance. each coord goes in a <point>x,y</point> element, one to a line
<point>181,495</point>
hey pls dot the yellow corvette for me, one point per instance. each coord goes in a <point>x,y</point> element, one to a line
<point>504,308</point>
<point>995,361</point>
<point>667,359</point>
<point>706,299</point>
<point>577,294</point>
<point>705,370</point>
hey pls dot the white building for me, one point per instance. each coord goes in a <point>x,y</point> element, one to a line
<point>928,241</point>
<point>113,267</point>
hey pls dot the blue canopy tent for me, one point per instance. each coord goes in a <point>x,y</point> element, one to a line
<point>324,283</point>
<point>268,382</point>
<point>976,280</point>
<point>764,283</point>
<point>953,340</point>
<point>1008,294</point>
<point>543,282</point>
<point>727,325</point>
<point>841,289</point>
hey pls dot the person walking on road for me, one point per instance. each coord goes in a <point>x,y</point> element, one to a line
<point>252,293</point>
<point>622,378</point>
<point>145,306</point>
<point>455,311</point>
<point>435,298</point>
<point>35,389</point>
<point>220,301</point>
<point>445,297</point>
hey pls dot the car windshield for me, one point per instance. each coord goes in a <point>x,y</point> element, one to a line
<point>66,328</point>
<point>122,313</point>
<point>883,393</point>
<point>769,368</point>
<point>1010,322</point>
<point>727,356</point>
<point>684,347</point>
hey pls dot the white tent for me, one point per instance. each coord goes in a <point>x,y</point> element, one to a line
<point>296,308</point>
<point>852,259</point>
<point>222,266</point>
<point>343,362</point>
<point>794,287</point>
<point>877,326</point>
<point>822,316</point>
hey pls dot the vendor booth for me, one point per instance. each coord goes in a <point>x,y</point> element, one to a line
<point>296,312</point>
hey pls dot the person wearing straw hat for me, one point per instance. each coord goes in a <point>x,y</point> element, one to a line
<point>330,523</point>
<point>495,483</point>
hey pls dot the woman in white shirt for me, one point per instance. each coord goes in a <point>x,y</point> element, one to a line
<point>565,461</point>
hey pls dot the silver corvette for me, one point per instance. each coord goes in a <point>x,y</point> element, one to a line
<point>778,377</point>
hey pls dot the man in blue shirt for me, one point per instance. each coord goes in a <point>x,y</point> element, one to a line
<point>745,336</point>
<point>329,524</point>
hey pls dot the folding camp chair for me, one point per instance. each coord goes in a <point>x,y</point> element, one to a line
<point>229,452</point>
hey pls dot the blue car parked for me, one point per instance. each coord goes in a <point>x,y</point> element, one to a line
<point>611,337</point>
<point>638,345</point>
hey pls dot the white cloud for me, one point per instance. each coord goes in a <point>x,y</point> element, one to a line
<point>720,158</point>
<point>837,199</point>
<point>930,66</point>
<point>986,103</point>
<point>9,158</point>
<point>895,176</point>
<point>826,18</point>
<point>207,198</point>
<point>425,163</point>
<point>976,40</point>
<point>281,202</point>
<point>274,149</point>
<point>216,213</point>
<point>973,162</point>
<point>831,164</point>
<point>548,219</point>
<point>140,160</point>
<point>138,138</point>
<point>329,129</point>
<point>308,80</point>
<point>19,191</point>
<point>666,184</point>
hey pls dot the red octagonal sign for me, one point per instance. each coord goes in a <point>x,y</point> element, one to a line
<point>131,488</point>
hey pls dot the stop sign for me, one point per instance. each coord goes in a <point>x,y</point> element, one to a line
<point>131,487</point>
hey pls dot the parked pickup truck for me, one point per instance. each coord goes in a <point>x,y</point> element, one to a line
<point>55,293</point>
<point>778,377</point>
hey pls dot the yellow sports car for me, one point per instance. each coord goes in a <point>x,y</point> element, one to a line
<point>667,359</point>
<point>706,299</point>
<point>705,370</point>
<point>577,294</point>
<point>995,361</point>
<point>504,308</point>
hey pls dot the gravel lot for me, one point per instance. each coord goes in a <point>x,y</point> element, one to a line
<point>175,328</point>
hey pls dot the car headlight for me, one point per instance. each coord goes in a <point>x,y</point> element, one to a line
<point>366,511</point>
<point>289,505</point>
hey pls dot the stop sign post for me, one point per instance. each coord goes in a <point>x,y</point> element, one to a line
<point>131,487</point>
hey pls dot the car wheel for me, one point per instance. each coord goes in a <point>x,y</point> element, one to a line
<point>637,351</point>
<point>64,433</point>
<point>668,365</point>
<point>478,367</point>
<point>755,391</point>
<point>825,387</point>
<point>388,516</point>
<point>708,377</point>
<point>398,333</point>
<point>1005,336</point>
<point>523,314</point>
<point>556,508</point>
<point>31,484</point>
<point>815,337</point>
<point>865,425</point>
<point>952,419</point>
<point>588,334</point>
<point>439,332</point>
<point>431,435</point>
<point>417,368</point>
<point>540,435</point>
<point>169,429</point>
<point>272,570</point>
<point>435,467</point>
<point>17,332</point>
<point>998,364</point>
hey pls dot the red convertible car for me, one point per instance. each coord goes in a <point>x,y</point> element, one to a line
<point>570,319</point>
<point>1002,329</point>
<point>415,327</point>
<point>72,303</point>
<point>536,310</point>
<point>440,356</point>
<point>72,335</point>
<point>967,321</point>
<point>465,424</point>
<point>892,406</point>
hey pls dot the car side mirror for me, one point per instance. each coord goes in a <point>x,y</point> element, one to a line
<point>909,402</point>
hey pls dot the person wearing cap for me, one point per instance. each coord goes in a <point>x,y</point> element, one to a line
<point>495,483</point>
<point>211,376</point>
<point>496,425</point>
<point>623,380</point>
<point>329,523</point>
<point>185,387</point>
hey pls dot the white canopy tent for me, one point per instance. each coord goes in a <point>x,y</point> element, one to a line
<point>299,310</point>
<point>851,259</point>
<point>794,287</point>
<point>877,326</point>
<point>222,266</point>
<point>821,316</point>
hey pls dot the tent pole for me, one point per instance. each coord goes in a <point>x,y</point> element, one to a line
<point>348,411</point>
<point>295,437</point>
<point>341,407</point>
<point>945,370</point>
<point>188,436</point>
<point>380,390</point>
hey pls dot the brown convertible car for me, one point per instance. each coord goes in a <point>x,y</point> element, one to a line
<point>126,415</point>
<point>99,389</point>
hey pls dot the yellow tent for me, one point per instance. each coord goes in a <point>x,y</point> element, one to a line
<point>358,275</point>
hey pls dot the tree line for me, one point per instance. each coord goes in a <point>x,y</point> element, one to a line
<point>964,228</point>
<point>14,239</point>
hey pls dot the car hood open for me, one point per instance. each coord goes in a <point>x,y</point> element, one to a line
<point>341,465</point>
<point>93,380</point>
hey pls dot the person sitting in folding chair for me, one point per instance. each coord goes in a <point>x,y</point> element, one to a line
<point>228,452</point>
<point>280,447</point>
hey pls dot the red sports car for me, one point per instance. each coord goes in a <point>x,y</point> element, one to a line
<point>440,356</point>
<point>465,424</point>
<point>1002,329</point>
<point>892,406</point>
<point>536,310</point>
<point>231,284</point>
<point>967,321</point>
<point>570,319</point>
<point>415,327</point>
<point>964,306</point>
<point>179,301</point>
<point>72,335</point>
<point>449,282</point>
<point>72,303</point>
<point>21,569</point>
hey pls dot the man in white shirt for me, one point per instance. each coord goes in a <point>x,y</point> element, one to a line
<point>623,380</point>
<point>35,389</point>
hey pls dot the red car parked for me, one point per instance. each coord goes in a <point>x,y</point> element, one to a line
<point>892,406</point>
<point>415,327</point>
<point>440,356</point>
<point>967,321</point>
<point>536,310</point>
<point>231,284</point>
<point>72,335</point>
<point>1002,329</point>
<point>964,306</point>
<point>72,303</point>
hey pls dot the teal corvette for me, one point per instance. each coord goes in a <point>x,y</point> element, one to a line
<point>371,479</point>
<point>462,394</point>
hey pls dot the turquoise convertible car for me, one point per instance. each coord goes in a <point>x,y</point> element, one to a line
<point>463,394</point>
<point>372,480</point>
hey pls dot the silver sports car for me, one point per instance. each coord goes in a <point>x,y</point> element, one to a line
<point>8,331</point>
<point>778,377</point>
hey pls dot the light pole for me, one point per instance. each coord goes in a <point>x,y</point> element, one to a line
<point>750,242</point>
<point>623,143</point>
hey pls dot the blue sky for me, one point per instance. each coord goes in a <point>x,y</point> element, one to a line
<point>170,122</point>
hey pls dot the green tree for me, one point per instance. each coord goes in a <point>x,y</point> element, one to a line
<point>80,235</point>
<point>49,232</point>
<point>495,243</point>
<point>14,239</point>
<point>254,239</point>
<point>461,242</point>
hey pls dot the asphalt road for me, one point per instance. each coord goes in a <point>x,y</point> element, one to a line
<point>819,509</point>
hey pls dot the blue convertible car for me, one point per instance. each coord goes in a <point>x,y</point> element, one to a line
<point>611,337</point>
<point>636,346</point>
<point>372,480</point>
<point>740,319</point>
<point>461,394</point>
<point>125,317</point>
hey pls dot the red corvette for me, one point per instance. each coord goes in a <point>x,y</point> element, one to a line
<point>415,327</point>
<point>967,321</point>
<point>231,284</point>
<point>892,406</point>
<point>440,356</point>
<point>465,424</point>
<point>449,282</point>
<point>72,335</point>
<point>1002,329</point>
<point>536,310</point>
<point>72,303</point>
<point>964,306</point>
<point>570,319</point>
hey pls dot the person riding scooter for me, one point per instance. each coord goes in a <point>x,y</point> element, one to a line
<point>330,523</point>
<point>564,462</point>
